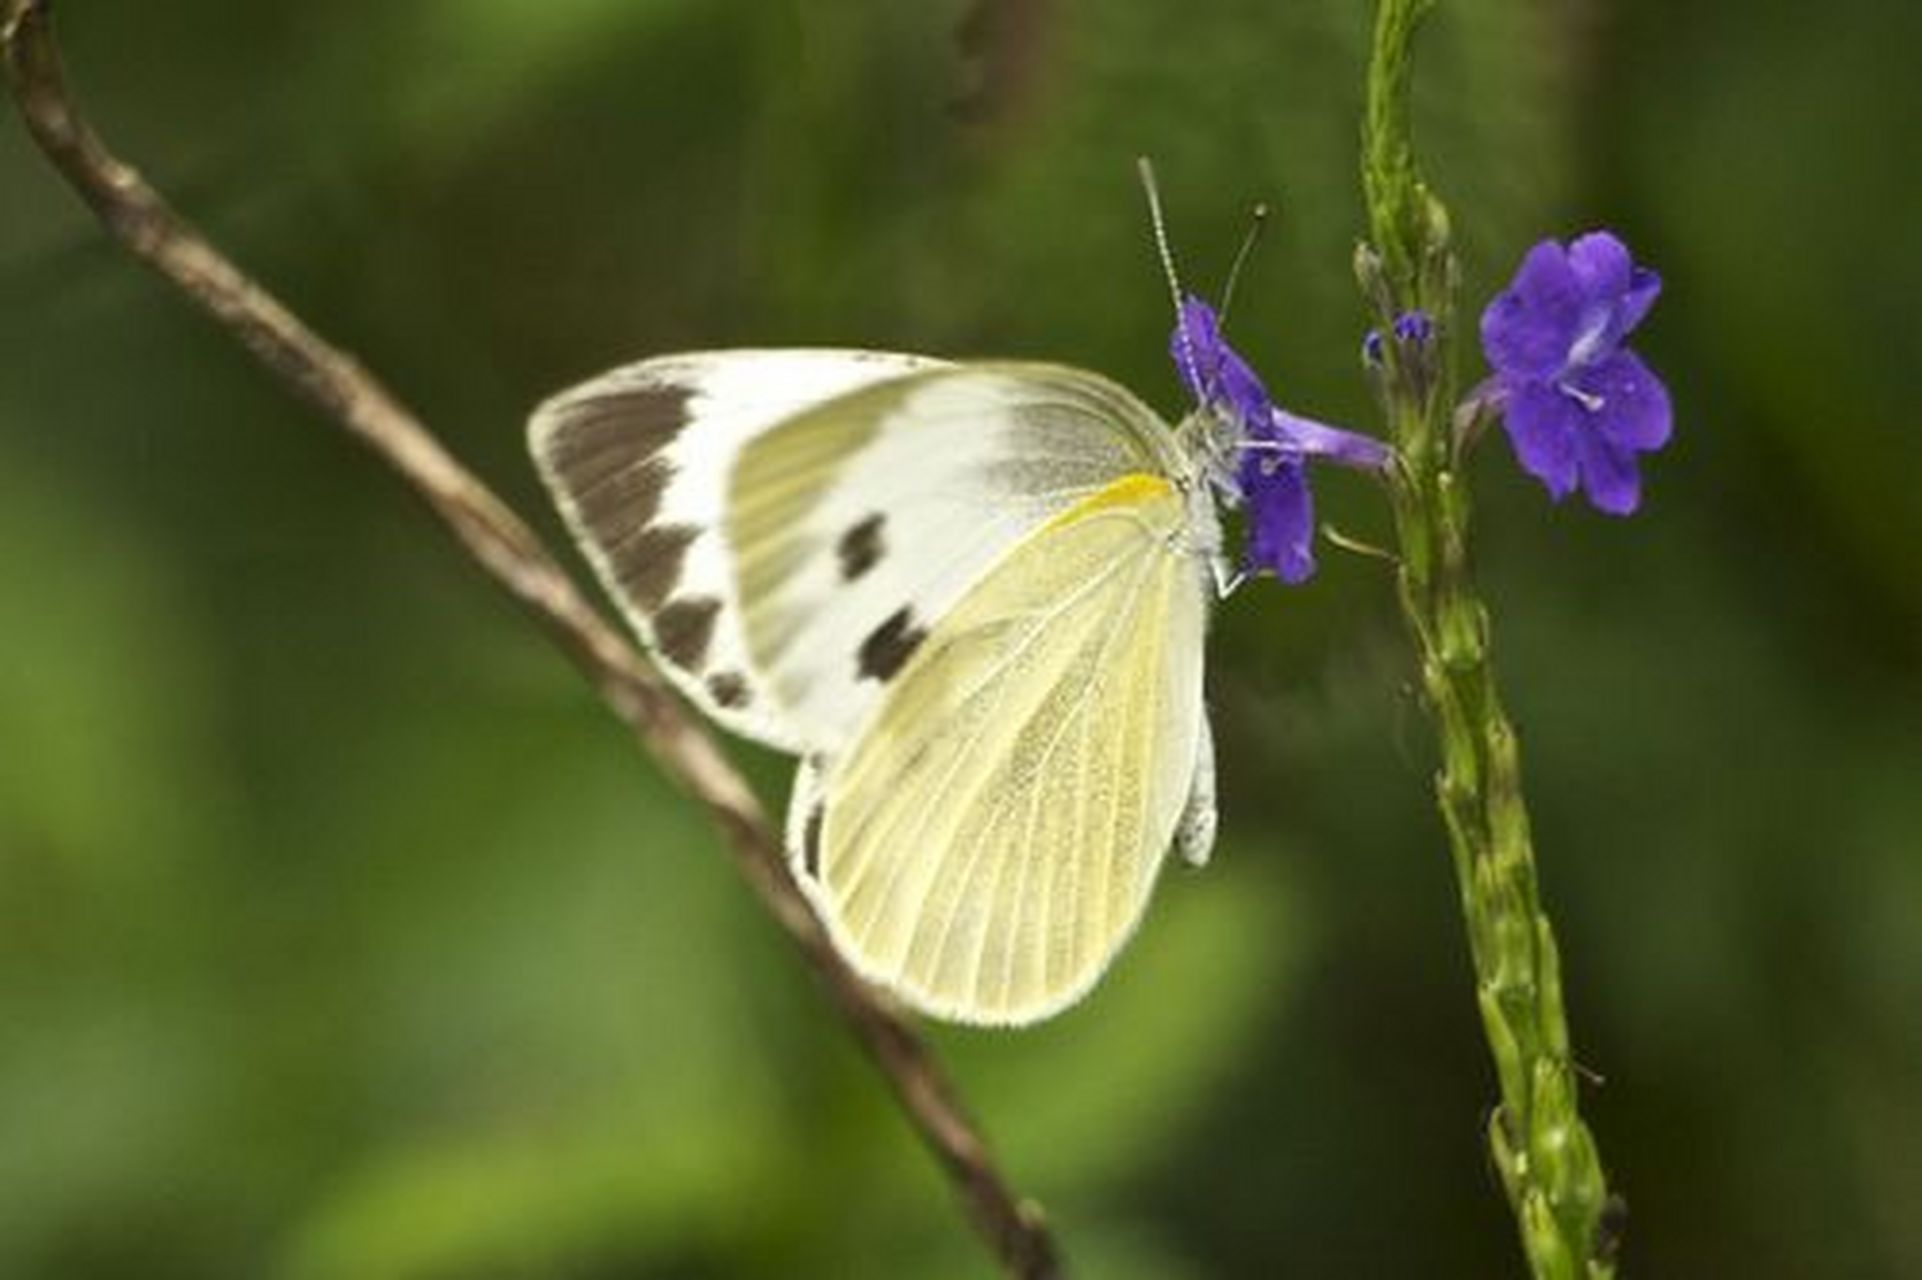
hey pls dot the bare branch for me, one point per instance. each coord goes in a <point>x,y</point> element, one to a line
<point>143,224</point>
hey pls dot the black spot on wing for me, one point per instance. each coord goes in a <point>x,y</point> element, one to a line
<point>647,563</point>
<point>861,547</point>
<point>683,630</point>
<point>729,689</point>
<point>811,842</point>
<point>889,646</point>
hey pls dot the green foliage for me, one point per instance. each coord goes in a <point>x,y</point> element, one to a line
<point>1543,1150</point>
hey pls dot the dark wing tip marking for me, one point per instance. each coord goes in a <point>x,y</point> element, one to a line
<point>604,447</point>
<point>684,628</point>
<point>889,646</point>
<point>617,502</point>
<point>861,547</point>
<point>598,430</point>
<point>647,563</point>
<point>729,689</point>
<point>811,841</point>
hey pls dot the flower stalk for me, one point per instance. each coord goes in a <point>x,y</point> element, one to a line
<point>1549,1165</point>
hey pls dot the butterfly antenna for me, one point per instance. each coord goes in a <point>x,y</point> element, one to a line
<point>1146,168</point>
<point>1258,221</point>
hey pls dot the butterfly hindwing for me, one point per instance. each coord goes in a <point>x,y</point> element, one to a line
<point>1195,836</point>
<point>990,840</point>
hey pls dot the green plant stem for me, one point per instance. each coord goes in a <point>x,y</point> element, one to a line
<point>1548,1161</point>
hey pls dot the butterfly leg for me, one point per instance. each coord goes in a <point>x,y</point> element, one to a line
<point>1227,578</point>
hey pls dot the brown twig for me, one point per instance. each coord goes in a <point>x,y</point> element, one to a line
<point>143,224</point>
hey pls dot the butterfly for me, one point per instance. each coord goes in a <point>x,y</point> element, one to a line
<point>970,596</point>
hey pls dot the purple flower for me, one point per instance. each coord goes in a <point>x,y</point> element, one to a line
<point>1213,371</point>
<point>1577,405</point>
<point>1271,475</point>
<point>1412,329</point>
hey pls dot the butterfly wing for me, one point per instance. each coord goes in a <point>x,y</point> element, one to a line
<point>638,462</point>
<point>990,840</point>
<point>782,527</point>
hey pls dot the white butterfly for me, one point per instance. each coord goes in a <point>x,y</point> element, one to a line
<point>972,598</point>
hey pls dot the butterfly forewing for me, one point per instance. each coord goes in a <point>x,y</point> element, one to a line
<point>639,460</point>
<point>857,524</point>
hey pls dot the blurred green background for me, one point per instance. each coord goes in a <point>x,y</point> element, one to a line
<point>342,933</point>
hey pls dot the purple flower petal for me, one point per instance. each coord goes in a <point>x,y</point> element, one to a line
<point>1281,517</point>
<point>1224,377</point>
<point>1644,286</point>
<point>1610,475</point>
<point>1543,425</point>
<point>1195,344</point>
<point>1529,327</point>
<point>1319,440</point>
<point>1602,266</point>
<point>1616,293</point>
<point>1632,404</point>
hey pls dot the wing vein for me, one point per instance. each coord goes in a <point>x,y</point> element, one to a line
<point>1093,685</point>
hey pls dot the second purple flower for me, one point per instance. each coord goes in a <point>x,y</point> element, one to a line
<point>1578,406</point>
